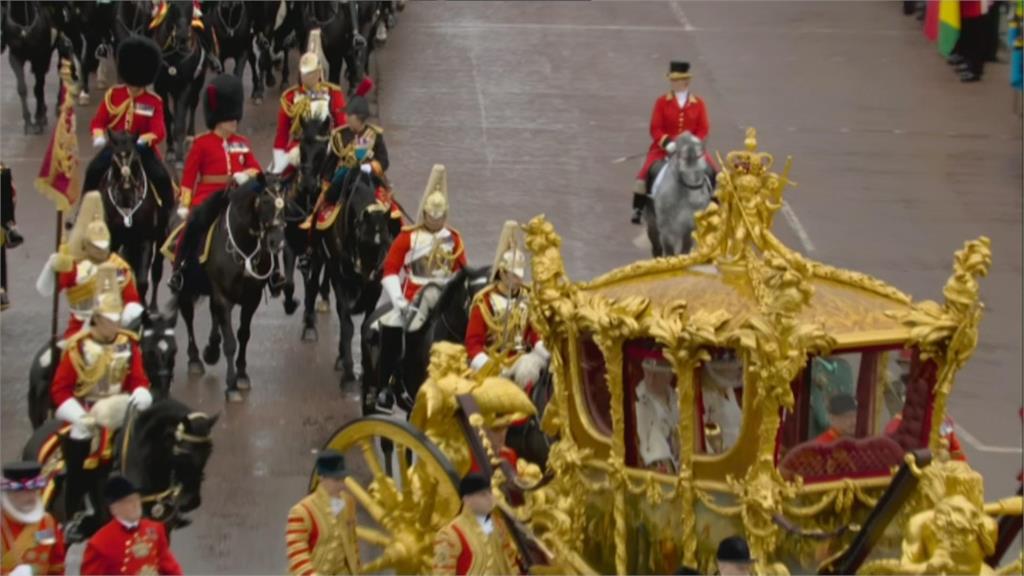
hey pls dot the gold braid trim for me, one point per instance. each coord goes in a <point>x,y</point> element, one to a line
<point>497,324</point>
<point>294,110</point>
<point>89,376</point>
<point>125,110</point>
<point>347,153</point>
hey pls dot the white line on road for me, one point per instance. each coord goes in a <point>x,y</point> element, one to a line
<point>798,228</point>
<point>677,10</point>
<point>980,447</point>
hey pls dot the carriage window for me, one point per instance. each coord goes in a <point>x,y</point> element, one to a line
<point>595,388</point>
<point>720,401</point>
<point>651,409</point>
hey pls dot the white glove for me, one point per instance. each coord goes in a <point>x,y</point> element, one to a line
<point>141,399</point>
<point>182,212</point>
<point>670,147</point>
<point>479,361</point>
<point>109,412</point>
<point>47,281</point>
<point>22,570</point>
<point>132,311</point>
<point>240,178</point>
<point>142,142</point>
<point>71,411</point>
<point>393,288</point>
<point>280,161</point>
<point>99,141</point>
<point>528,367</point>
<point>293,157</point>
<point>366,168</point>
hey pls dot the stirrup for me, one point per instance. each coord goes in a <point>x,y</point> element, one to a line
<point>385,402</point>
<point>177,281</point>
<point>307,223</point>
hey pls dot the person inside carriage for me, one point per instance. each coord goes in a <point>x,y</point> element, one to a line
<point>499,338</point>
<point>33,542</point>
<point>294,104</point>
<point>99,376</point>
<point>218,158</point>
<point>133,108</point>
<point>676,112</point>
<point>73,269</point>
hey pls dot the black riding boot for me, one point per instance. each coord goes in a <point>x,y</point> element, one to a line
<point>96,169</point>
<point>390,367</point>
<point>639,203</point>
<point>76,484</point>
<point>186,254</point>
<point>158,176</point>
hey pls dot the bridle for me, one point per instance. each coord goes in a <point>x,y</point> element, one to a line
<point>122,167</point>
<point>310,169</point>
<point>252,259</point>
<point>374,207</point>
<point>232,8</point>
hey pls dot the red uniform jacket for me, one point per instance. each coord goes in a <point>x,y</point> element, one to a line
<point>212,160</point>
<point>507,454</point>
<point>286,114</point>
<point>143,114</point>
<point>115,550</point>
<point>39,545</point>
<point>129,293</point>
<point>668,121</point>
<point>477,338</point>
<point>66,377</point>
<point>955,451</point>
<point>400,259</point>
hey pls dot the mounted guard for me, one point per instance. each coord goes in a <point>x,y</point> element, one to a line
<point>295,102</point>
<point>99,376</point>
<point>676,112</point>
<point>78,262</point>
<point>133,108</point>
<point>218,158</point>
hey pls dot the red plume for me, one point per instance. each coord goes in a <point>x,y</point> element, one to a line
<point>211,96</point>
<point>365,86</point>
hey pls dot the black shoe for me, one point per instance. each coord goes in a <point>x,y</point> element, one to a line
<point>638,216</point>
<point>177,281</point>
<point>955,60</point>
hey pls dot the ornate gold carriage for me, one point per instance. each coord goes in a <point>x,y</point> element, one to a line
<point>692,401</point>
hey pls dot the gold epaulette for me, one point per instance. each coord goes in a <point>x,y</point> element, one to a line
<point>287,105</point>
<point>412,227</point>
<point>129,334</point>
<point>330,85</point>
<point>375,128</point>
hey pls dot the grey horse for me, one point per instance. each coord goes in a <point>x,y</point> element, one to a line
<point>682,187</point>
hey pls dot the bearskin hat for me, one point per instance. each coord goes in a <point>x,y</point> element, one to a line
<point>224,100</point>
<point>138,61</point>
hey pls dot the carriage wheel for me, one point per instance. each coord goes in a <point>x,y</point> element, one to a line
<point>406,489</point>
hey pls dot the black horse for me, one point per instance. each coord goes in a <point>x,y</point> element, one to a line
<point>158,347</point>
<point>90,28</point>
<point>352,252</point>
<point>401,367</point>
<point>268,37</point>
<point>234,27</point>
<point>164,454</point>
<point>181,75</point>
<point>136,216</point>
<point>248,234</point>
<point>305,187</point>
<point>27,29</point>
<point>343,31</point>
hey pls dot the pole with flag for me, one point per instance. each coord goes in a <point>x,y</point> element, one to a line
<point>949,26</point>
<point>58,175</point>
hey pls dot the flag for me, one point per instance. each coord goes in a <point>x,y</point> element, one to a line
<point>931,20</point>
<point>59,170</point>
<point>1015,38</point>
<point>949,25</point>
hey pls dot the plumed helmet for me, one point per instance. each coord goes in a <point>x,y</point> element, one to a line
<point>138,61</point>
<point>309,62</point>
<point>224,100</point>
<point>510,256</point>
<point>435,196</point>
<point>90,227</point>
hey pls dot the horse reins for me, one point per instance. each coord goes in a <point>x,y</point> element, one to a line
<point>232,8</point>
<point>127,216</point>
<point>234,249</point>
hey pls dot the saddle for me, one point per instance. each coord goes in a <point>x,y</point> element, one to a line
<point>327,214</point>
<point>652,174</point>
<point>170,247</point>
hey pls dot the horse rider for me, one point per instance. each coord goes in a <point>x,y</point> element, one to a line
<point>499,337</point>
<point>129,543</point>
<point>78,261</point>
<point>9,235</point>
<point>99,375</point>
<point>296,101</point>
<point>357,143</point>
<point>321,533</point>
<point>218,157</point>
<point>676,112</point>
<point>477,541</point>
<point>32,540</point>
<point>206,37</point>
<point>131,107</point>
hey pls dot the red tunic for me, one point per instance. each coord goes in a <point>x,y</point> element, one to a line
<point>828,436</point>
<point>401,257</point>
<point>212,160</point>
<point>477,337</point>
<point>129,293</point>
<point>507,454</point>
<point>283,140</point>
<point>955,450</point>
<point>66,377</point>
<point>143,114</point>
<point>39,545</point>
<point>115,550</point>
<point>668,121</point>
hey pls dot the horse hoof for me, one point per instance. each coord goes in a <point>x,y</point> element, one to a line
<point>243,382</point>
<point>309,334</point>
<point>211,355</point>
<point>290,306</point>
<point>257,100</point>
<point>83,98</point>
<point>195,368</point>
<point>234,396</point>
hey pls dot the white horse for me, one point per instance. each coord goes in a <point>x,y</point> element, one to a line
<point>682,188</point>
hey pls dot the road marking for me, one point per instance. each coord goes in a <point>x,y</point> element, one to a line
<point>483,110</point>
<point>798,228</point>
<point>981,447</point>
<point>677,10</point>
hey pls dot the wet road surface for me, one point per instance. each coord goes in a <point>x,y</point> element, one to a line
<point>527,105</point>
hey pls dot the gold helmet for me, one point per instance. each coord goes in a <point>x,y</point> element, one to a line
<point>90,227</point>
<point>108,293</point>
<point>435,196</point>
<point>510,256</point>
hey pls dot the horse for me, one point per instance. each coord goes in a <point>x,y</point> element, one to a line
<point>181,77</point>
<point>132,19</point>
<point>233,26</point>
<point>353,250</point>
<point>443,316</point>
<point>27,29</point>
<point>90,27</point>
<point>158,347</point>
<point>314,141</point>
<point>681,188</point>
<point>264,28</point>
<point>244,243</point>
<point>137,220</point>
<point>164,452</point>
<point>342,33</point>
